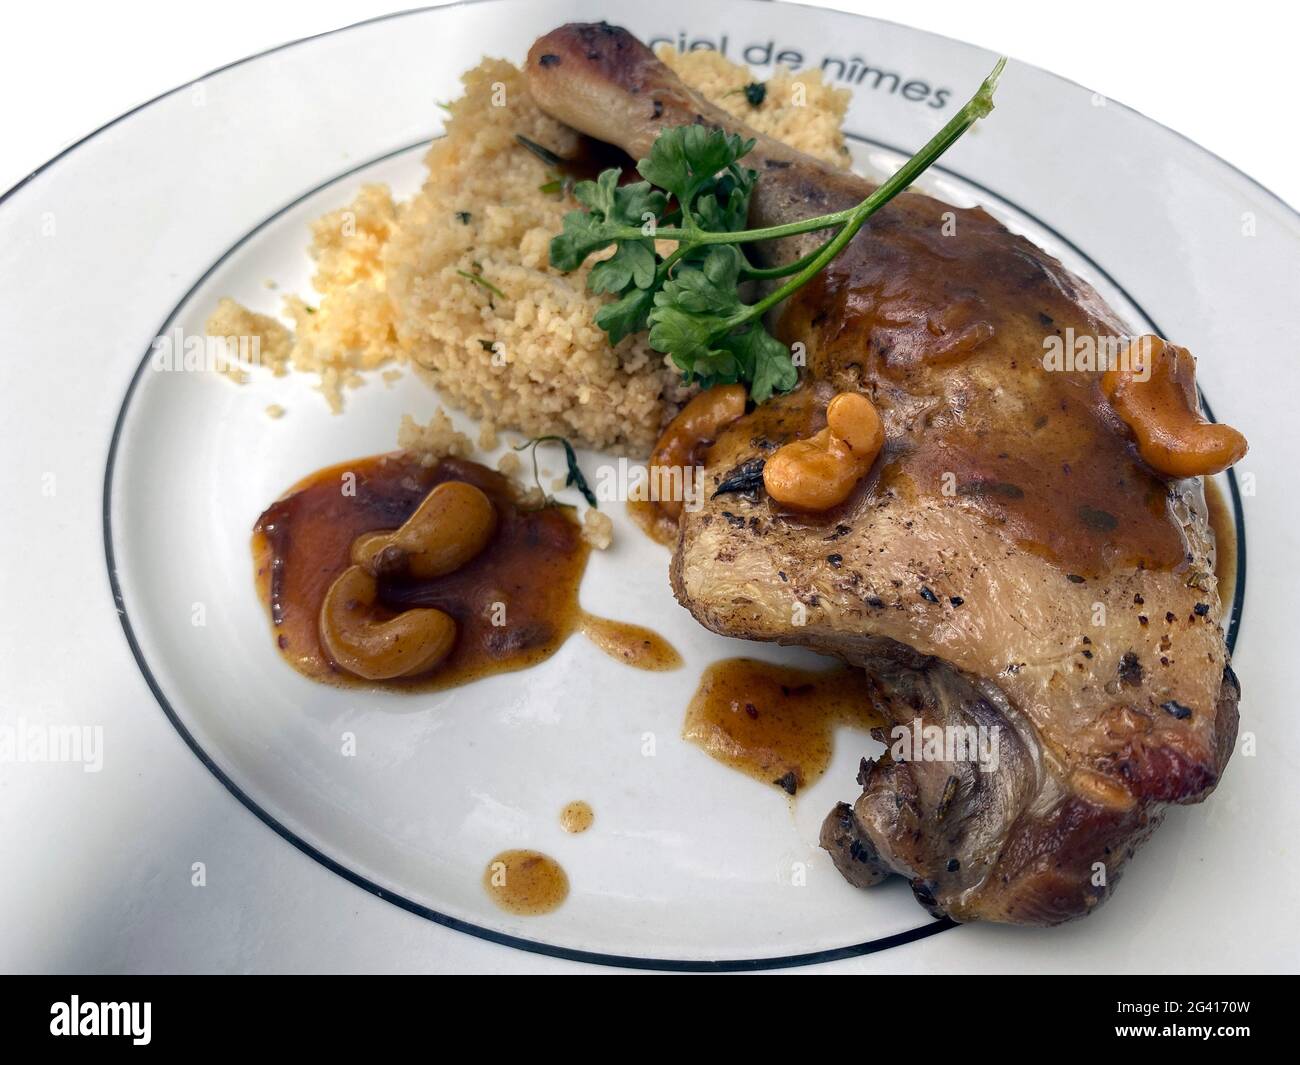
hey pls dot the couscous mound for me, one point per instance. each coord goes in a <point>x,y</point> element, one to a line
<point>457,283</point>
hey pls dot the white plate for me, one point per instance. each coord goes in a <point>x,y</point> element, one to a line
<point>207,192</point>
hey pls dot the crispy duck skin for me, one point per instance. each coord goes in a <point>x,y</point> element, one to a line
<point>1008,564</point>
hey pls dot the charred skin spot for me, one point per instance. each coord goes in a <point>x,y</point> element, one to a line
<point>1130,670</point>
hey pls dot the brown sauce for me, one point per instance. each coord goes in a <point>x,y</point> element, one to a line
<point>786,417</point>
<point>1085,512</point>
<point>948,337</point>
<point>776,723</point>
<point>577,816</point>
<point>633,644</point>
<point>1088,516</point>
<point>1223,524</point>
<point>526,882</point>
<point>514,604</point>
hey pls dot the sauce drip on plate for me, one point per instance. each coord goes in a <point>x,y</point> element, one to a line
<point>577,816</point>
<point>633,644</point>
<point>776,723</point>
<point>526,882</point>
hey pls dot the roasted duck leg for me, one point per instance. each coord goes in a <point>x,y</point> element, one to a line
<point>1037,607</point>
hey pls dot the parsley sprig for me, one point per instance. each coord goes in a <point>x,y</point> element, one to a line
<point>696,193</point>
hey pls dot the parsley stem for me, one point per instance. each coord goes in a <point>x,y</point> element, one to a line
<point>665,268</point>
<point>976,108</point>
<point>693,235</point>
<point>768,273</point>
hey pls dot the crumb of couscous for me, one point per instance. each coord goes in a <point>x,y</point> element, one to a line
<point>529,497</point>
<point>457,280</point>
<point>274,410</point>
<point>438,439</point>
<point>597,529</point>
<point>233,321</point>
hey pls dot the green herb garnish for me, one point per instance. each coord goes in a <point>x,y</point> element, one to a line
<point>575,477</point>
<point>479,279</point>
<point>543,153</point>
<point>755,93</point>
<point>696,194</point>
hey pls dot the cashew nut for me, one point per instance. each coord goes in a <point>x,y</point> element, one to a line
<point>412,642</point>
<point>1155,396</point>
<point>698,422</point>
<point>452,525</point>
<point>820,472</point>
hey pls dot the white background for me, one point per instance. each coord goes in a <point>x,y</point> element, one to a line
<point>1220,74</point>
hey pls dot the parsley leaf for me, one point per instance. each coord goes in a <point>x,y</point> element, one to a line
<point>628,315</point>
<point>611,210</point>
<point>632,264</point>
<point>683,158</point>
<point>765,362</point>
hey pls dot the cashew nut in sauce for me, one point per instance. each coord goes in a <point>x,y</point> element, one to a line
<point>1160,408</point>
<point>820,472</point>
<point>451,526</point>
<point>412,642</point>
<point>698,422</point>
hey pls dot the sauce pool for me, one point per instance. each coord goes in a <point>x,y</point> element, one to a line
<point>514,604</point>
<point>776,723</point>
<point>526,882</point>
